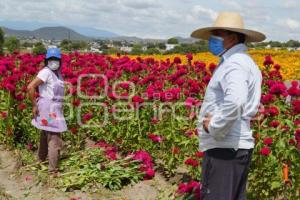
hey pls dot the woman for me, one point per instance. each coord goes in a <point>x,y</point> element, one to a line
<point>47,108</point>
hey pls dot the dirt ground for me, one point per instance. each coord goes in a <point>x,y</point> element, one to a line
<point>25,186</point>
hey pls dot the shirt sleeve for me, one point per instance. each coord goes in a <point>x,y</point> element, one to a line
<point>235,87</point>
<point>43,75</point>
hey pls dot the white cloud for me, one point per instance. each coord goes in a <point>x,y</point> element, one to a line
<point>232,5</point>
<point>204,12</point>
<point>137,4</point>
<point>289,23</point>
<point>292,24</point>
<point>290,4</point>
<point>154,18</point>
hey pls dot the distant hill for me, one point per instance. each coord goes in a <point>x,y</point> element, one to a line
<point>81,33</point>
<point>48,33</point>
<point>94,32</point>
<point>149,40</point>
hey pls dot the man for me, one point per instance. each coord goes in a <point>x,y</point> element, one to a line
<point>232,98</point>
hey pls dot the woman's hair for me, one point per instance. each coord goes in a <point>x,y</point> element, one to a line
<point>53,58</point>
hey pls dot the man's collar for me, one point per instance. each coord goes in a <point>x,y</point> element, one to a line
<point>235,49</point>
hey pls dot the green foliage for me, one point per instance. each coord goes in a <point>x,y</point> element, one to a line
<point>162,46</point>
<point>137,50</point>
<point>86,168</point>
<point>68,45</point>
<point>152,51</point>
<point>172,41</point>
<point>39,49</point>
<point>1,41</point>
<point>12,44</point>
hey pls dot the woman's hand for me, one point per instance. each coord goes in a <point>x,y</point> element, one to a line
<point>31,88</point>
<point>35,111</point>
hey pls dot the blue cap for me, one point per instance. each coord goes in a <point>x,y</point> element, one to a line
<point>53,52</point>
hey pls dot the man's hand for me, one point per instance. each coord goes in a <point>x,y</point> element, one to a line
<point>206,121</point>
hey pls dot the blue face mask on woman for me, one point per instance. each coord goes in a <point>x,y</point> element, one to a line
<point>215,45</point>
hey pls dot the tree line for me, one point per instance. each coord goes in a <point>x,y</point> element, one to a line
<point>12,44</point>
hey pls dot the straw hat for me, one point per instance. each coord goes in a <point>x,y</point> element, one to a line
<point>229,21</point>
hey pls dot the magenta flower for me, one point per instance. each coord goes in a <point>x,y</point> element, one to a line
<point>268,141</point>
<point>265,151</point>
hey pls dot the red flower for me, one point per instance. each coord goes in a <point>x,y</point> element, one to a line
<point>190,102</point>
<point>268,141</point>
<point>190,133</point>
<point>277,67</point>
<point>212,67</point>
<point>137,100</point>
<point>265,151</point>
<point>44,122</point>
<point>257,136</point>
<point>76,102</point>
<point>124,85</point>
<point>278,88</point>
<point>296,106</point>
<point>199,154</point>
<point>87,117</point>
<point>293,90</point>
<point>155,138</point>
<point>4,115</point>
<point>285,128</point>
<point>206,79</point>
<point>273,111</point>
<point>295,84</point>
<point>73,130</point>
<point>29,146</point>
<point>182,188</point>
<point>150,173</point>
<point>154,120</point>
<point>175,150</point>
<point>192,162</point>
<point>144,157</point>
<point>274,123</point>
<point>268,61</point>
<point>292,142</point>
<point>266,99</point>
<point>297,134</point>
<point>177,60</point>
<point>111,154</point>
<point>189,56</point>
<point>192,187</point>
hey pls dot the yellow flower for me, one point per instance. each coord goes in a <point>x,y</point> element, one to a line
<point>288,60</point>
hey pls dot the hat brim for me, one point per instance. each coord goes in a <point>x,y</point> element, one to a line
<point>251,36</point>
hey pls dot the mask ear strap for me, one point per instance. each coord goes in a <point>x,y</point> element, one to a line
<point>220,54</point>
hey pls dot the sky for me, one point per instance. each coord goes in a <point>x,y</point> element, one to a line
<point>278,19</point>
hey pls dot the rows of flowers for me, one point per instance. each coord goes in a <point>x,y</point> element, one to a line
<point>289,59</point>
<point>149,105</point>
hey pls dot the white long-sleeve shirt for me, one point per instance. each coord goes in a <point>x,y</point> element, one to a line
<point>232,97</point>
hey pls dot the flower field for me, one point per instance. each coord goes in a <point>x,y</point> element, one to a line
<point>141,114</point>
<point>290,60</point>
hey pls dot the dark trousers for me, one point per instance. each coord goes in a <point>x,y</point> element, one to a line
<point>224,174</point>
<point>50,144</point>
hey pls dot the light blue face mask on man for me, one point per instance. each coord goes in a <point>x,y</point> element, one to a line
<point>215,45</point>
